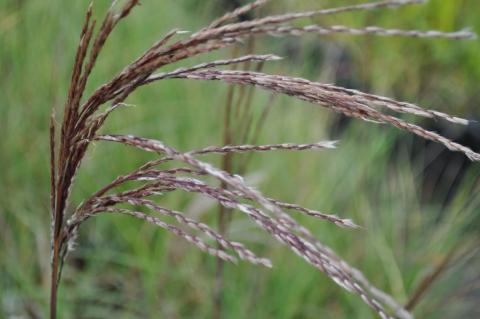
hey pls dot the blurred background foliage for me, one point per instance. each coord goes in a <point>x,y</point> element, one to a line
<point>418,203</point>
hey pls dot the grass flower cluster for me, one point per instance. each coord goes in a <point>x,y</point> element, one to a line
<point>84,116</point>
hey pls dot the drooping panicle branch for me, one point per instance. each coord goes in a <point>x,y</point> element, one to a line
<point>236,13</point>
<point>371,30</point>
<point>278,228</point>
<point>177,231</point>
<point>210,65</point>
<point>334,99</point>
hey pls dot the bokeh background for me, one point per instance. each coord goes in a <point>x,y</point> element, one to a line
<point>419,204</point>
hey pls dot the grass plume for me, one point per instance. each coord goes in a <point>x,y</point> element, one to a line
<point>83,118</point>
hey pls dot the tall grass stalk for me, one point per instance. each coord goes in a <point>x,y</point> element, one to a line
<point>84,115</point>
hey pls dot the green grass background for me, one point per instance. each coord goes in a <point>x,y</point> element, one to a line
<point>123,268</point>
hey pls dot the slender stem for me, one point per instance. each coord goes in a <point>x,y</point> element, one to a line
<point>222,211</point>
<point>428,281</point>
<point>54,280</point>
<point>224,214</point>
<point>220,265</point>
<point>53,198</point>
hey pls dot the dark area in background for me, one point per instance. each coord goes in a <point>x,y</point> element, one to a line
<point>441,171</point>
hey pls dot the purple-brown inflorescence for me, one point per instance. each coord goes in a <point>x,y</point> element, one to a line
<point>83,119</point>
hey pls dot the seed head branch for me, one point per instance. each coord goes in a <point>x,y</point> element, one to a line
<point>335,100</point>
<point>177,231</point>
